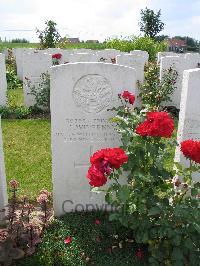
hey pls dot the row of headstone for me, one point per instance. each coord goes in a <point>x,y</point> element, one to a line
<point>35,63</point>
<point>179,63</point>
<point>70,56</point>
<point>189,116</point>
<point>3,81</point>
<point>3,186</point>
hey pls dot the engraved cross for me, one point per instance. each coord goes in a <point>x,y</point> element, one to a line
<point>84,164</point>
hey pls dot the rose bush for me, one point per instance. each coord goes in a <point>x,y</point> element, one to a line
<point>160,204</point>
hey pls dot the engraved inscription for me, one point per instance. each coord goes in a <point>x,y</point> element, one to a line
<point>88,130</point>
<point>192,129</point>
<point>84,164</point>
<point>92,93</point>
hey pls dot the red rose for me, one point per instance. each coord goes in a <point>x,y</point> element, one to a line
<point>128,96</point>
<point>68,240</point>
<point>97,222</point>
<point>157,124</point>
<point>191,149</point>
<point>110,157</point>
<point>57,56</point>
<point>102,164</point>
<point>139,254</point>
<point>96,177</point>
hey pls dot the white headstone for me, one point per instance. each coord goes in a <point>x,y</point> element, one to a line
<point>34,65</point>
<point>140,54</point>
<point>82,50</point>
<point>19,53</point>
<point>163,54</point>
<point>82,57</point>
<point>137,63</point>
<point>3,186</point>
<point>189,116</point>
<point>5,52</point>
<point>53,51</point>
<point>179,63</point>
<point>81,95</point>
<point>3,81</point>
<point>107,55</point>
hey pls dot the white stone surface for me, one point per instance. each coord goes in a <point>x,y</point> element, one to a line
<point>53,51</point>
<point>163,54</point>
<point>5,52</point>
<point>34,65</point>
<point>107,55</point>
<point>3,81</point>
<point>137,63</point>
<point>82,57</point>
<point>189,116</point>
<point>19,53</point>
<point>81,94</point>
<point>3,186</point>
<point>180,63</point>
<point>140,54</point>
<point>82,50</point>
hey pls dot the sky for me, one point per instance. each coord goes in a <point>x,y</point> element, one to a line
<point>92,19</point>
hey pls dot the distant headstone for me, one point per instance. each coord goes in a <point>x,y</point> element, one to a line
<point>189,117</point>
<point>3,81</point>
<point>3,186</point>
<point>137,63</point>
<point>179,63</point>
<point>19,53</point>
<point>107,55</point>
<point>53,51</point>
<point>82,57</point>
<point>163,54</point>
<point>82,50</point>
<point>81,94</point>
<point>140,54</point>
<point>34,65</point>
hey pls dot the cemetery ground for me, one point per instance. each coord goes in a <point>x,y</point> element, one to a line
<point>92,239</point>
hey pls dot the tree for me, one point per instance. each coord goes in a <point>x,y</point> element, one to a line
<point>50,36</point>
<point>150,22</point>
<point>161,38</point>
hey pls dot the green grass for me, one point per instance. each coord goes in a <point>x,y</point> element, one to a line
<point>94,46</point>
<point>15,98</point>
<point>4,45</point>
<point>27,154</point>
<point>91,244</point>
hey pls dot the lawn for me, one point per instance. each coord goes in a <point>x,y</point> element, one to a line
<point>15,97</point>
<point>4,45</point>
<point>95,46</point>
<point>27,154</point>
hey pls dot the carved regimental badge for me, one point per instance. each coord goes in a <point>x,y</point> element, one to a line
<point>92,93</point>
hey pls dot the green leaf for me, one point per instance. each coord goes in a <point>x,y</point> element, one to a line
<point>113,217</point>
<point>108,198</point>
<point>188,244</point>
<point>124,193</point>
<point>176,240</point>
<point>197,227</point>
<point>177,255</point>
<point>154,211</point>
<point>194,192</point>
